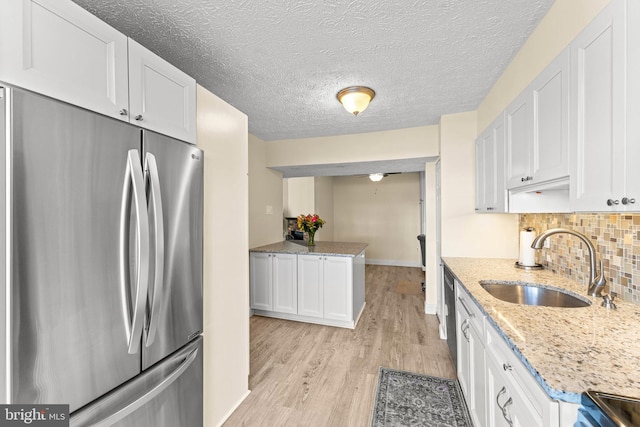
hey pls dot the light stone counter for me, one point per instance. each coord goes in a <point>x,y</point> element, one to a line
<point>568,350</point>
<point>320,248</point>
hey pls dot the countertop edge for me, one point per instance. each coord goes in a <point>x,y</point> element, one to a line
<point>344,249</point>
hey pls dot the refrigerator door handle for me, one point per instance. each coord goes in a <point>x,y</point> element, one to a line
<point>134,191</point>
<point>151,394</point>
<point>155,202</point>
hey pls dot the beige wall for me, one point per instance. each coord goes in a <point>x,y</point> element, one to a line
<point>563,22</point>
<point>323,186</point>
<point>386,215</point>
<point>300,196</point>
<point>222,134</point>
<point>464,232</point>
<point>265,189</point>
<point>362,147</point>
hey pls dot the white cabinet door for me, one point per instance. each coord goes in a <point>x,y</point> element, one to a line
<point>490,166</point>
<point>310,286</point>
<point>477,368</point>
<point>519,148</point>
<point>162,98</point>
<point>598,113</point>
<point>261,280</point>
<point>506,404</point>
<point>58,49</point>
<point>285,283</point>
<point>551,121</point>
<point>338,283</point>
<point>471,355</point>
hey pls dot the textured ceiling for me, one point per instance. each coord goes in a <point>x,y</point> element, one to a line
<point>282,61</point>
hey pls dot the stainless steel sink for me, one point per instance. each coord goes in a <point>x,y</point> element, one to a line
<point>533,294</point>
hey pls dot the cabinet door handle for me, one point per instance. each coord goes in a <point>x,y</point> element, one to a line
<point>139,117</point>
<point>124,112</point>
<point>464,327</point>
<point>626,201</point>
<point>507,366</point>
<point>611,202</point>
<point>504,408</point>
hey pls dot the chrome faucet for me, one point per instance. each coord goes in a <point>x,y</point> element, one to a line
<point>596,282</point>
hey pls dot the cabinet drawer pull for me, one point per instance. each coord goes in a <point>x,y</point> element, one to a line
<point>139,117</point>
<point>469,313</point>
<point>627,201</point>
<point>507,366</point>
<point>611,202</point>
<point>124,112</point>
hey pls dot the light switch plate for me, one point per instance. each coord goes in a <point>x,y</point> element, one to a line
<point>269,210</point>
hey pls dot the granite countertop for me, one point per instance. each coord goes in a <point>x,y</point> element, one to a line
<point>320,248</point>
<point>568,350</point>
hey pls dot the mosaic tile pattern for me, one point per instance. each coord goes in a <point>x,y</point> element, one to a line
<point>616,238</point>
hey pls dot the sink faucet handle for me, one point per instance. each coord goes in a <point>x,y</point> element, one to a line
<point>607,301</point>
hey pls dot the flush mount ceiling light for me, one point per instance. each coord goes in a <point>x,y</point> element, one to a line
<point>375,177</point>
<point>355,99</point>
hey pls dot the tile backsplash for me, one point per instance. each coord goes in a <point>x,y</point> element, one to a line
<point>616,238</point>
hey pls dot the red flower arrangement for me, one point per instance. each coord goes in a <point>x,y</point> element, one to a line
<point>310,224</point>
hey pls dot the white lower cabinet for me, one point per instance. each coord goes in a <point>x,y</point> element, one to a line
<point>325,286</point>
<point>274,282</point>
<point>471,355</point>
<point>322,289</point>
<point>497,387</point>
<point>310,286</point>
<point>515,397</point>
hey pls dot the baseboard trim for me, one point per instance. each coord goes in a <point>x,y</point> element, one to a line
<point>393,263</point>
<point>232,410</point>
<point>431,308</point>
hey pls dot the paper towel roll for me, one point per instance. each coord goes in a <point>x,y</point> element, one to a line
<point>527,253</point>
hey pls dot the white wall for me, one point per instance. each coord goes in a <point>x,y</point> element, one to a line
<point>384,214</point>
<point>300,196</point>
<point>464,232</point>
<point>323,186</point>
<point>362,147</point>
<point>222,134</point>
<point>265,189</point>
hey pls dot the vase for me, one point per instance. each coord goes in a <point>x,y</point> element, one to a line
<point>312,238</point>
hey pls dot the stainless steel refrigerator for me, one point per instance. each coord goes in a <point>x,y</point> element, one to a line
<point>102,266</point>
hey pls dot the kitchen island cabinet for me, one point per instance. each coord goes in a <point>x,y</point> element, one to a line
<point>322,284</point>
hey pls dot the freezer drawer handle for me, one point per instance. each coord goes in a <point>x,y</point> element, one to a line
<point>133,190</point>
<point>146,398</point>
<point>155,204</point>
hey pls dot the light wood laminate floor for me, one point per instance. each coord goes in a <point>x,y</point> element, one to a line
<point>311,375</point>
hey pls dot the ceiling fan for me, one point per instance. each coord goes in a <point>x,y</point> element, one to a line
<point>376,177</point>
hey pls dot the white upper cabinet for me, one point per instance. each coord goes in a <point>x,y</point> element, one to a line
<point>537,128</point>
<point>604,112</point>
<point>162,98</point>
<point>58,49</point>
<point>550,107</point>
<point>490,164</point>
<point>518,120</point>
